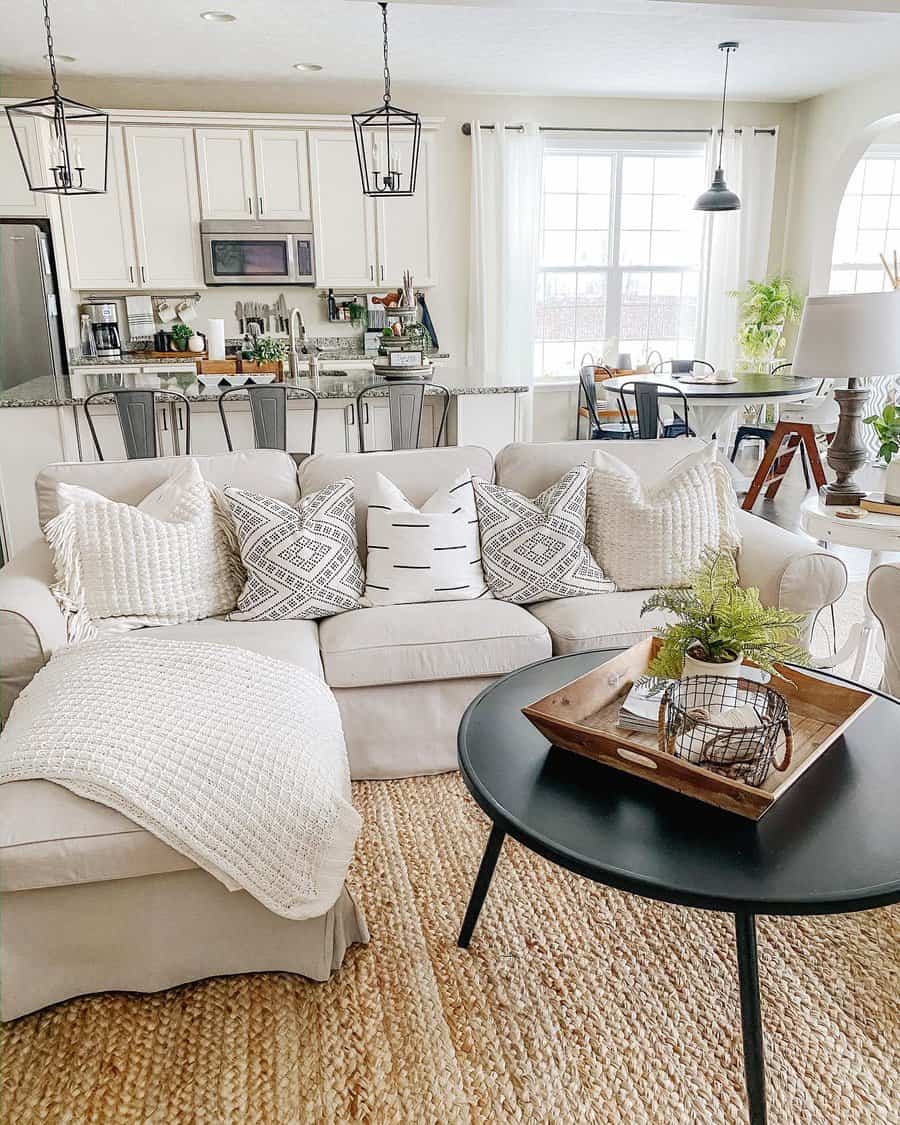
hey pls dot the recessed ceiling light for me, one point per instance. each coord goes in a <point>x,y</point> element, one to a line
<point>61,58</point>
<point>306,66</point>
<point>218,17</point>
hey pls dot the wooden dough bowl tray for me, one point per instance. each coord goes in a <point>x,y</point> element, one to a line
<point>582,717</point>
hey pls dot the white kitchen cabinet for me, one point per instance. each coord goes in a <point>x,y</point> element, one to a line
<point>225,171</point>
<point>406,227</point>
<point>282,174</point>
<point>98,229</point>
<point>165,205</point>
<point>15,198</point>
<point>343,218</point>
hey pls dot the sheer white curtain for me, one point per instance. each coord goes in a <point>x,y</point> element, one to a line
<point>505,234</point>
<point>737,242</point>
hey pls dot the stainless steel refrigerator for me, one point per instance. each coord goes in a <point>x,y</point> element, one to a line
<point>31,345</point>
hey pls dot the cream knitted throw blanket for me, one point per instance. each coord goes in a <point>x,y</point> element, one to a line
<point>235,760</point>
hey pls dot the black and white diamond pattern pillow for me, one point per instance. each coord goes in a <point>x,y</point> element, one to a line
<point>534,550</point>
<point>301,562</point>
<point>427,554</point>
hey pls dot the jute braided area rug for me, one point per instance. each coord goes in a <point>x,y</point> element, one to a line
<point>574,1004</point>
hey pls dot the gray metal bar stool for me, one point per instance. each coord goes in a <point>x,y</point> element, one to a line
<point>682,366</point>
<point>646,403</point>
<point>137,418</point>
<point>268,412</point>
<point>405,399</point>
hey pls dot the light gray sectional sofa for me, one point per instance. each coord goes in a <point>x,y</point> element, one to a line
<point>92,901</point>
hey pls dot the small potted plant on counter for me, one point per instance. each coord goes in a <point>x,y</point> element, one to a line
<point>180,334</point>
<point>719,624</point>
<point>269,355</point>
<point>887,429</point>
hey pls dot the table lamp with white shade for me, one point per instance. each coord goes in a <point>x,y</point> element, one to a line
<point>850,336</point>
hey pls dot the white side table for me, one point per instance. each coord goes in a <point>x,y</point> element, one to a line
<point>872,532</point>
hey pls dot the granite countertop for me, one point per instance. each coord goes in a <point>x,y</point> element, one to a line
<point>142,359</point>
<point>334,385</point>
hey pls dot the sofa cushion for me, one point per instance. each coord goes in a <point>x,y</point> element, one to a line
<point>268,471</point>
<point>597,621</point>
<point>530,468</point>
<point>416,472</point>
<point>438,641</point>
<point>49,837</point>
<point>294,641</point>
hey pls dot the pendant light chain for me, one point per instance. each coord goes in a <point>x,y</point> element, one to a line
<point>51,58</point>
<point>387,68</point>
<point>728,51</point>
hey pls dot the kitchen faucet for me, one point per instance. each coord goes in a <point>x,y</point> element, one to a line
<point>297,340</point>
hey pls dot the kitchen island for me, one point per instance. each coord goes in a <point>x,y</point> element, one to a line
<point>42,421</point>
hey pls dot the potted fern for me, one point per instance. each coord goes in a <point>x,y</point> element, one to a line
<point>765,307</point>
<point>720,624</point>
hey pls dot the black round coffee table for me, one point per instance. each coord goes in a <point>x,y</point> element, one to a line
<point>831,845</point>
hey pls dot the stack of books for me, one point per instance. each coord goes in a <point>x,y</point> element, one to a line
<point>640,707</point>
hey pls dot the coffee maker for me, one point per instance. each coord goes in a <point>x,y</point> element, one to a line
<point>104,319</point>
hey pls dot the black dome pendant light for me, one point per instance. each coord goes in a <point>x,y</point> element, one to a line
<point>718,196</point>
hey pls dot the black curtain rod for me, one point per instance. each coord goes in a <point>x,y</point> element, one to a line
<point>467,130</point>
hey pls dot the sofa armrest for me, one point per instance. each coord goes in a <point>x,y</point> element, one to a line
<point>790,571</point>
<point>32,625</point>
<point>883,592</point>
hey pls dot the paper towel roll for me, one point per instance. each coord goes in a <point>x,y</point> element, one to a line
<point>215,339</point>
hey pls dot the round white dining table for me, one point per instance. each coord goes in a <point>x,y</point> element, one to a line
<point>713,407</point>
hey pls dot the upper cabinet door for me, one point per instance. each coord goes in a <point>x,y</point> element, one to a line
<point>15,198</point>
<point>97,228</point>
<point>406,226</point>
<point>282,174</point>
<point>343,218</point>
<point>225,167</point>
<point>163,175</point>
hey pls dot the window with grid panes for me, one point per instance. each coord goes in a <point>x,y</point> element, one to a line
<point>868,224</point>
<point>620,253</point>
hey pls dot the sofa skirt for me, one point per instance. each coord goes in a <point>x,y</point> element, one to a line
<point>153,932</point>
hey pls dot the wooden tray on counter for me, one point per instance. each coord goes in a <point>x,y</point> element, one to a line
<point>582,717</point>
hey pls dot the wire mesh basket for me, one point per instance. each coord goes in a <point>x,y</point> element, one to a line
<point>728,725</point>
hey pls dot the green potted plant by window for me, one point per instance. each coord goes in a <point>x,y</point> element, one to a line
<point>269,355</point>
<point>887,429</point>
<point>764,308</point>
<point>720,624</point>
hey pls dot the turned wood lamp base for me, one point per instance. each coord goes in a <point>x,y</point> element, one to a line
<point>847,454</point>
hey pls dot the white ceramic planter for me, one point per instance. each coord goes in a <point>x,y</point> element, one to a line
<point>892,482</point>
<point>694,667</point>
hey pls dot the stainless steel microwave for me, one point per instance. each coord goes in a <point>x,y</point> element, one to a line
<point>257,252</point>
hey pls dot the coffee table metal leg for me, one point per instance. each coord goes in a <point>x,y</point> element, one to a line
<point>751,1017</point>
<point>482,882</point>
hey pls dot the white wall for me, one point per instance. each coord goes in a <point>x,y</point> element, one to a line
<point>448,301</point>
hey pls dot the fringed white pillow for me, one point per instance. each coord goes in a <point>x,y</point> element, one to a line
<point>167,560</point>
<point>645,537</point>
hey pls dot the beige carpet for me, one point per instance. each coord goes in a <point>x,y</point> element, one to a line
<point>574,1004</point>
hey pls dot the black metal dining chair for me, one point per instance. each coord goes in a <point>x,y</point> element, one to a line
<point>681,366</point>
<point>646,405</point>
<point>268,413</point>
<point>136,410</point>
<point>600,427</point>
<point>405,400</point>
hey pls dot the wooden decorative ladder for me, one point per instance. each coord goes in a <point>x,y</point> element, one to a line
<point>786,440</point>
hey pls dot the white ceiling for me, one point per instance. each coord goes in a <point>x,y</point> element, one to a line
<point>652,48</point>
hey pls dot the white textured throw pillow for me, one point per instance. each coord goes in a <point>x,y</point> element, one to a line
<point>164,561</point>
<point>301,562</point>
<point>650,536</point>
<point>534,550</point>
<point>427,554</point>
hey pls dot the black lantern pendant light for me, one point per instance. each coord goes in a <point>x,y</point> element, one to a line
<point>387,141</point>
<point>60,168</point>
<point>718,197</point>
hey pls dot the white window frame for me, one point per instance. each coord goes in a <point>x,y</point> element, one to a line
<point>616,146</point>
<point>873,152</point>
